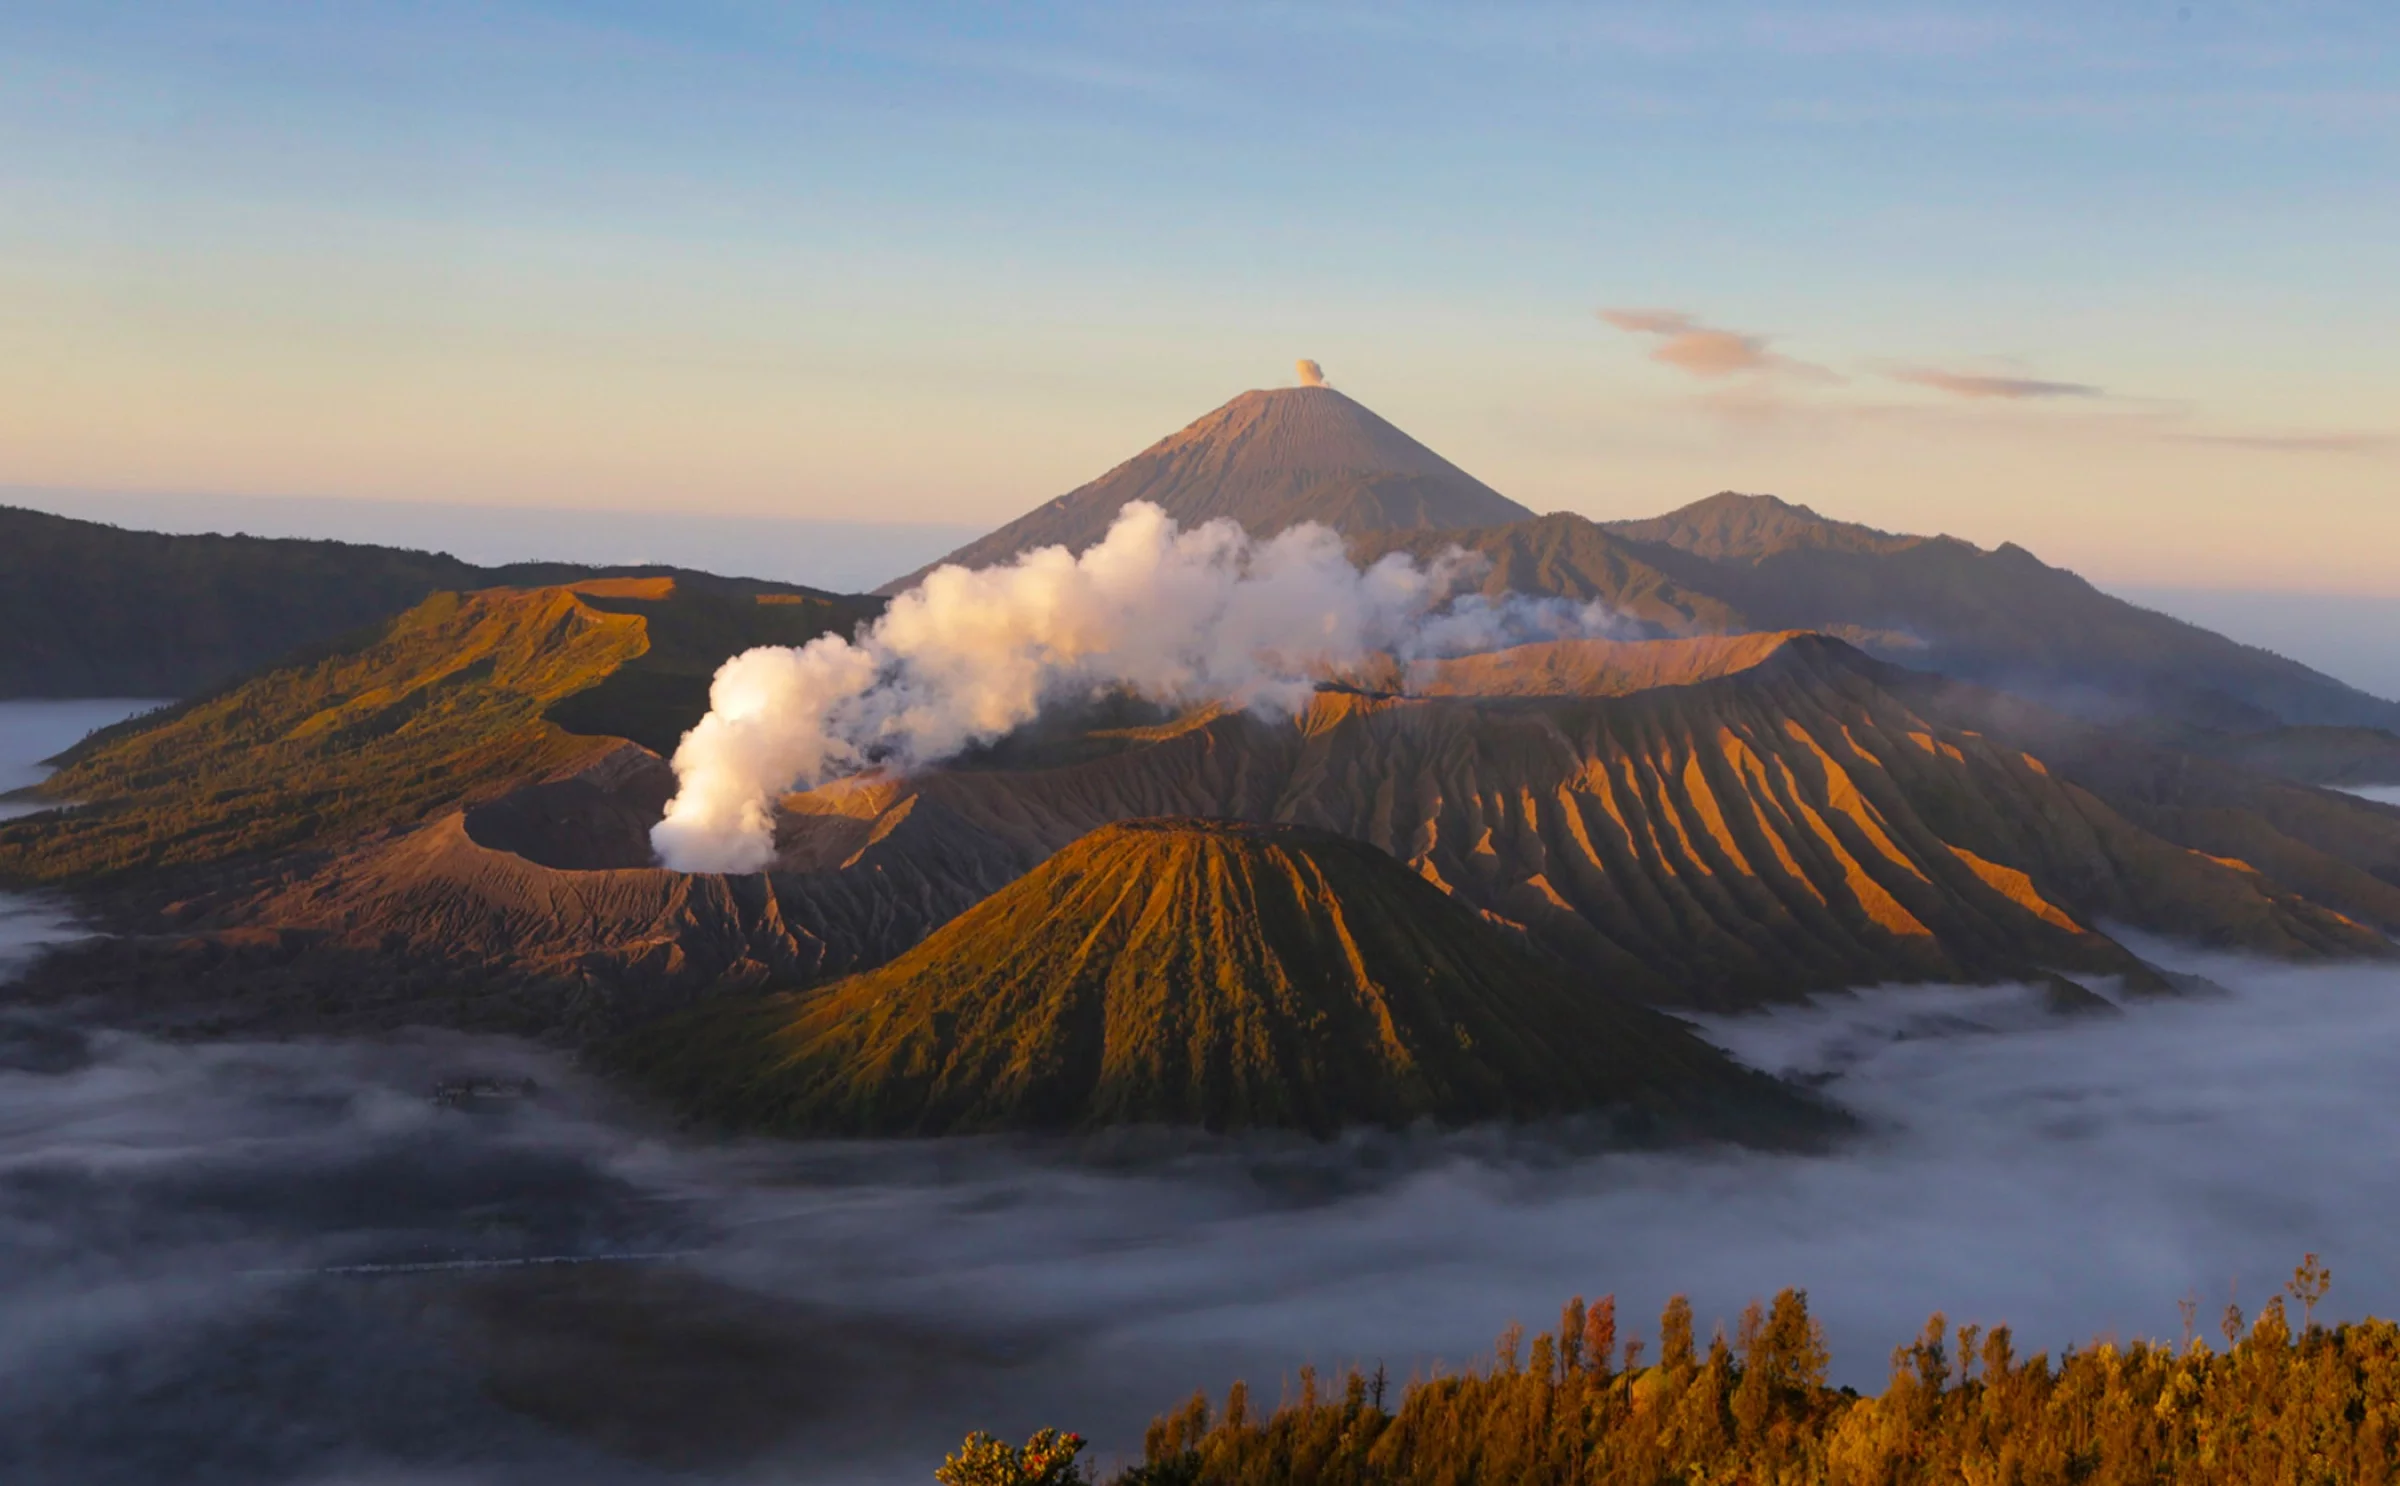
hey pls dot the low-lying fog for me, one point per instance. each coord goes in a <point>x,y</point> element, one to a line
<point>848,1312</point>
<point>33,731</point>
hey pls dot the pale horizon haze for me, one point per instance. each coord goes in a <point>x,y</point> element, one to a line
<point>2115,286</point>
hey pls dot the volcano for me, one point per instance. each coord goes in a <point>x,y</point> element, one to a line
<point>1207,972</point>
<point>1999,617</point>
<point>1269,460</point>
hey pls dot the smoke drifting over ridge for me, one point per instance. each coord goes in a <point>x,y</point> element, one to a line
<point>1311,374</point>
<point>1208,614</point>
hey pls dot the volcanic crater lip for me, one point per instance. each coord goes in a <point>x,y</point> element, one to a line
<point>1221,825</point>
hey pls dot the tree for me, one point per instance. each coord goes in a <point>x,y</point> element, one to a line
<point>1960,1408</point>
<point>1048,1459</point>
<point>1675,1347</point>
<point>1570,1336</point>
<point>1600,1336</point>
<point>2309,1283</point>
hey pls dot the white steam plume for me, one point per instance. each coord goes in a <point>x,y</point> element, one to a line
<point>1311,374</point>
<point>1206,614</point>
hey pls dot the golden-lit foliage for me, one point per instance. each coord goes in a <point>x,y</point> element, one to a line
<point>2318,1405</point>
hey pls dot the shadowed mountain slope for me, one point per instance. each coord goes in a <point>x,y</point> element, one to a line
<point>2318,755</point>
<point>1790,817</point>
<point>1792,825</point>
<point>1214,973</point>
<point>1268,460</point>
<point>2003,618</point>
<point>406,832</point>
<point>94,610</point>
<point>1730,527</point>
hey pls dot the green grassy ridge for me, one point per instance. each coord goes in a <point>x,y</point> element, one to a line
<point>449,704</point>
<point>1212,973</point>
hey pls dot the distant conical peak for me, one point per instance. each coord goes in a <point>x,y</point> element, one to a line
<point>1307,429</point>
<point>1270,459</point>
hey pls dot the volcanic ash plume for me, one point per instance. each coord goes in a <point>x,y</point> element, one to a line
<point>1311,374</point>
<point>1183,616</point>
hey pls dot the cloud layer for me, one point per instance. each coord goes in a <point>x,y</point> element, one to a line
<point>1972,385</point>
<point>1686,344</point>
<point>2068,1177</point>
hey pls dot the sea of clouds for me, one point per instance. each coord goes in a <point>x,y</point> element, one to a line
<point>213,1256</point>
<point>844,1312</point>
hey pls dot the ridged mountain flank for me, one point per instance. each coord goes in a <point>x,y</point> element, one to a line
<point>1216,973</point>
<point>1269,460</point>
<point>1999,617</point>
<point>418,831</point>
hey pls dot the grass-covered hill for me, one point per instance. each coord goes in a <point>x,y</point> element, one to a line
<point>459,699</point>
<point>88,609</point>
<point>1212,973</point>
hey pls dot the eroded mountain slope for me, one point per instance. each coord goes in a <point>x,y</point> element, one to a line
<point>1794,817</point>
<point>1214,973</point>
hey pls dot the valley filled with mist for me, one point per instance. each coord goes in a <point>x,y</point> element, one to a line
<point>215,1249</point>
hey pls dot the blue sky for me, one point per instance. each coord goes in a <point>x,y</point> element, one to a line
<point>2115,285</point>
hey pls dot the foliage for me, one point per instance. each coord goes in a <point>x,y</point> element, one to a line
<point>2319,1405</point>
<point>1048,1459</point>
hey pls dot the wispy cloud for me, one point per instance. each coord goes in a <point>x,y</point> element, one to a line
<point>2011,389</point>
<point>1706,350</point>
<point>2295,443</point>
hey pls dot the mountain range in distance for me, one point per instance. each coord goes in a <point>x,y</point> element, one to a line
<point>217,606</point>
<point>1821,756</point>
<point>91,610</point>
<point>1729,564</point>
